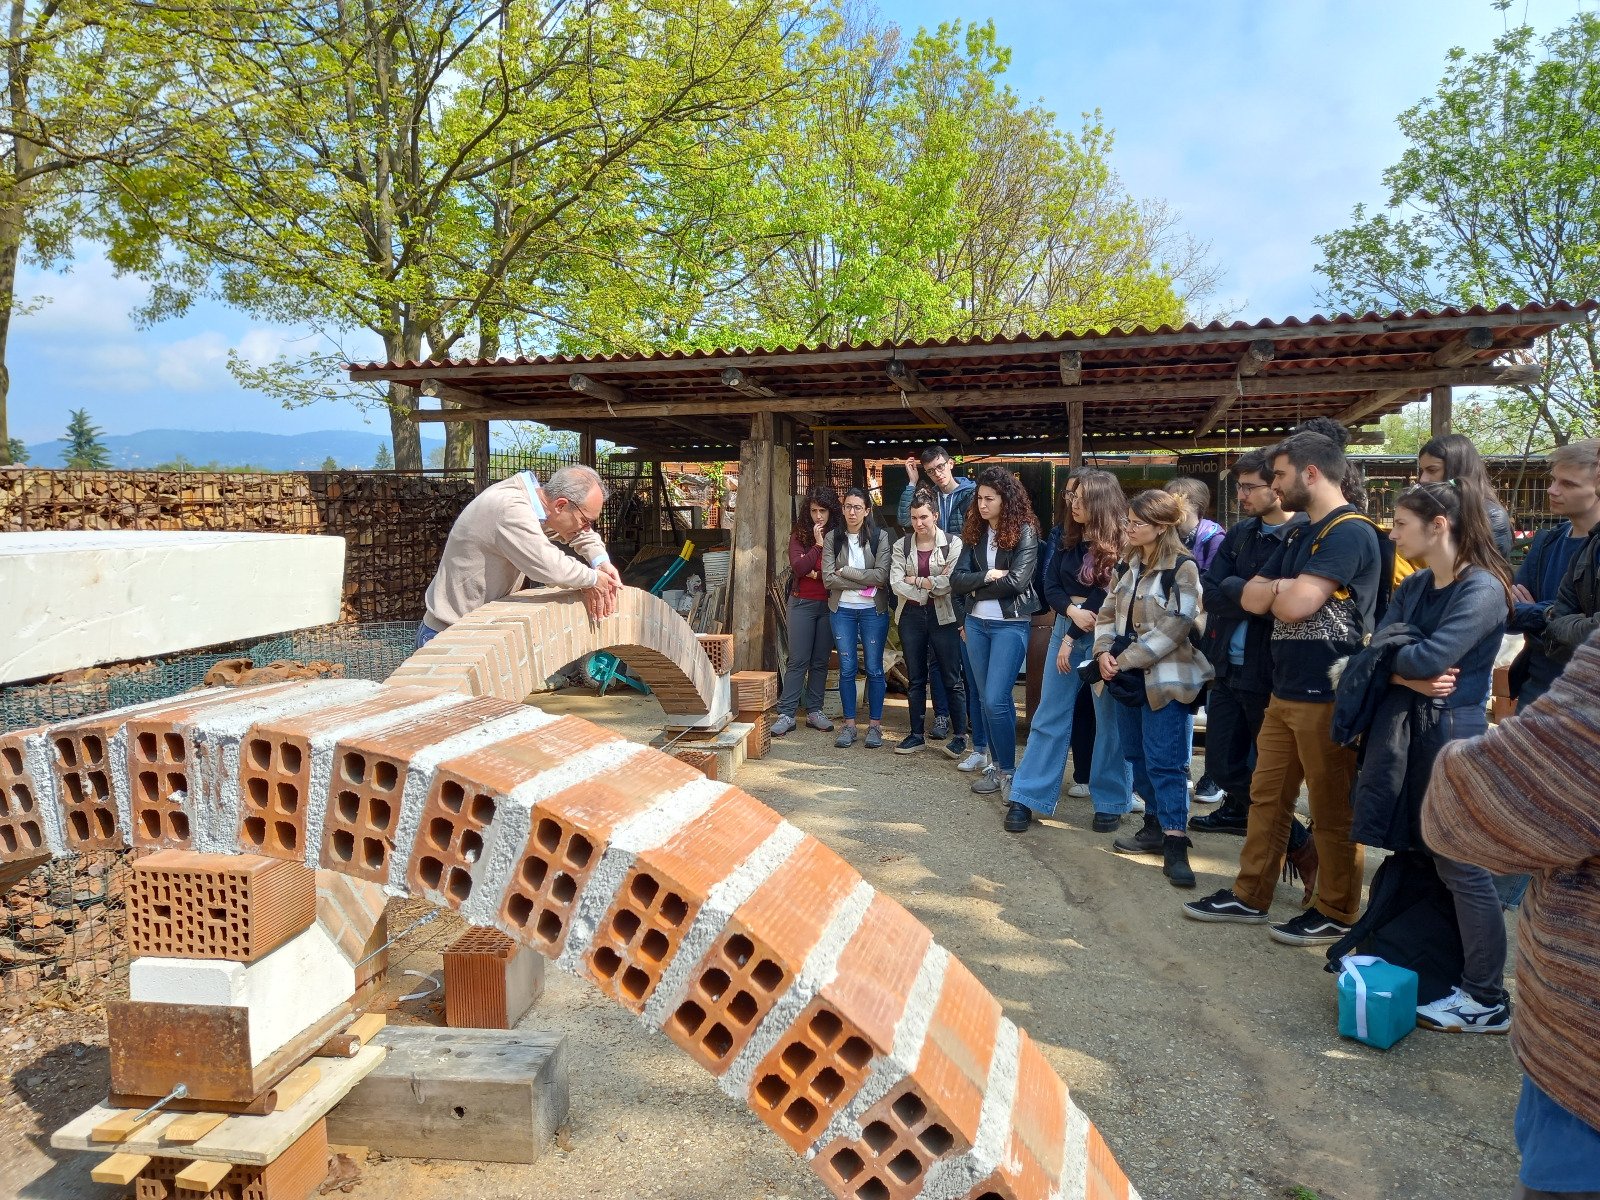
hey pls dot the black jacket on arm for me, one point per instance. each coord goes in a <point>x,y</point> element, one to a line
<point>1015,592</point>
<point>1239,559</point>
<point>1576,613</point>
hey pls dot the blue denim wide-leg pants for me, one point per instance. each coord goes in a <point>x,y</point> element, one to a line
<point>870,628</point>
<point>1157,743</point>
<point>997,650</point>
<point>1039,776</point>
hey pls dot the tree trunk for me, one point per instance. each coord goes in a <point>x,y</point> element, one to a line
<point>10,248</point>
<point>407,440</point>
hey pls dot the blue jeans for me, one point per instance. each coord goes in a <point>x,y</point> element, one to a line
<point>997,650</point>
<point>1560,1150</point>
<point>1157,743</point>
<point>1037,782</point>
<point>871,628</point>
<point>425,634</point>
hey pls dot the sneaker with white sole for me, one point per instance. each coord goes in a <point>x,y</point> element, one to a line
<point>1223,905</point>
<point>1460,1013</point>
<point>1138,803</point>
<point>782,725</point>
<point>1079,791</point>
<point>817,721</point>
<point>1208,791</point>
<point>1310,928</point>
<point>975,761</point>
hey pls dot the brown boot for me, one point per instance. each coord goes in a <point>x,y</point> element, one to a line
<point>1303,863</point>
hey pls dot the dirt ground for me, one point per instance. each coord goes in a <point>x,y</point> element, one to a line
<point>1207,1055</point>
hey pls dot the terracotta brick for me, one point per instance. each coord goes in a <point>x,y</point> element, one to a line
<point>953,1071</point>
<point>568,833</point>
<point>700,760</point>
<point>82,766</point>
<point>368,784</point>
<point>21,821</point>
<point>759,742</point>
<point>275,769</point>
<point>719,649</point>
<point>754,691</point>
<point>1035,1156</point>
<point>901,1138</point>
<point>758,954</point>
<point>490,980</point>
<point>296,1174</point>
<point>817,1067</point>
<point>1106,1180</point>
<point>663,893</point>
<point>353,914</point>
<point>238,907</point>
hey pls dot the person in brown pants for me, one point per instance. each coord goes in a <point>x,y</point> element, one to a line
<point>1321,589</point>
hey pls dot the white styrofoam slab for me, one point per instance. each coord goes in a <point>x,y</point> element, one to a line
<point>77,599</point>
<point>286,992</point>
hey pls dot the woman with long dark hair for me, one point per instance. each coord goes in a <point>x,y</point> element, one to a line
<point>999,546</point>
<point>929,619</point>
<point>1446,621</point>
<point>1453,456</point>
<point>1087,550</point>
<point>855,570</point>
<point>810,625</point>
<point>1144,628</point>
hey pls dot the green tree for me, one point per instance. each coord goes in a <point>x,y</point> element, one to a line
<point>330,464</point>
<point>385,460</point>
<point>16,452</point>
<point>85,450</point>
<point>352,182</point>
<point>1496,199</point>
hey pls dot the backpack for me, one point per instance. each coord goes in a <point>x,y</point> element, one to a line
<point>1169,579</point>
<point>1392,569</point>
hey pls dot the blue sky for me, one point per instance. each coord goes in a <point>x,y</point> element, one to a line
<point>1260,123</point>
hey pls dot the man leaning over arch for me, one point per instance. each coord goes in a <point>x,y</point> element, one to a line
<point>517,528</point>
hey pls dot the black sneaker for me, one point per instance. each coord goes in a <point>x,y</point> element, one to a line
<point>1208,790</point>
<point>1107,822</point>
<point>910,744</point>
<point>1223,905</point>
<point>1147,839</point>
<point>941,728</point>
<point>956,748</point>
<point>1018,818</point>
<point>1310,928</point>
<point>1233,817</point>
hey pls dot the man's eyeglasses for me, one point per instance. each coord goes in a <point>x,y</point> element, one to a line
<point>1246,489</point>
<point>942,467</point>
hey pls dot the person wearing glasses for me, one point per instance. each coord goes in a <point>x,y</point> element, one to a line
<point>952,495</point>
<point>855,570</point>
<point>509,532</point>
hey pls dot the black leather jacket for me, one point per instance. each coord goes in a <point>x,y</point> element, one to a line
<point>1015,592</point>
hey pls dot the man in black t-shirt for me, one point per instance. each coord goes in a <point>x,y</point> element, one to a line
<point>1321,589</point>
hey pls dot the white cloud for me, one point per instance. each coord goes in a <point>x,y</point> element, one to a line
<point>91,300</point>
<point>194,364</point>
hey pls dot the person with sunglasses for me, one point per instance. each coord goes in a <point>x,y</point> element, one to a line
<point>509,532</point>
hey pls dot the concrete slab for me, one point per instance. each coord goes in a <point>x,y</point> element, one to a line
<point>77,599</point>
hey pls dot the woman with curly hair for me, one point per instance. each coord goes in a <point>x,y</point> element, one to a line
<point>810,627</point>
<point>1089,547</point>
<point>999,546</point>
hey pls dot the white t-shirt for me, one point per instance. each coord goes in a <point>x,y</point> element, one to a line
<point>855,555</point>
<point>988,609</point>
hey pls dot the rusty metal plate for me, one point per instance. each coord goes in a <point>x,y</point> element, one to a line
<point>155,1047</point>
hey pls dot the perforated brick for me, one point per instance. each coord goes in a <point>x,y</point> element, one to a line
<point>1035,1155</point>
<point>901,1138</point>
<point>754,691</point>
<point>238,907</point>
<point>822,1060</point>
<point>701,760</point>
<point>82,763</point>
<point>490,980</point>
<point>759,740</point>
<point>663,893</point>
<point>275,770</point>
<point>719,649</point>
<point>1105,1180</point>
<point>567,835</point>
<point>296,1174</point>
<point>760,950</point>
<point>21,822</point>
<point>352,912</point>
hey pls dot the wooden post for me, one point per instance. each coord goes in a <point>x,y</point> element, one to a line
<point>1442,404</point>
<point>480,455</point>
<point>858,473</point>
<point>1075,433</point>
<point>821,470</point>
<point>778,542</point>
<point>586,447</point>
<point>752,564</point>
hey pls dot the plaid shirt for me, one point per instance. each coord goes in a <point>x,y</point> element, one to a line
<point>1174,669</point>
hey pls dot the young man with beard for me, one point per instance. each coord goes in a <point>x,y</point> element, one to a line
<point>1238,643</point>
<point>1320,587</point>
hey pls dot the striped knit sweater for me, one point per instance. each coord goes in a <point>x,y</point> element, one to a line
<point>1525,797</point>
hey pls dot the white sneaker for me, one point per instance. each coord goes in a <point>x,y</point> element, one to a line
<point>1138,803</point>
<point>975,761</point>
<point>1078,791</point>
<point>1460,1013</point>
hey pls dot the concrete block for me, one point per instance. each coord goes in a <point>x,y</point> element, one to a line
<point>238,907</point>
<point>74,599</point>
<point>285,992</point>
<point>459,1094</point>
<point>490,981</point>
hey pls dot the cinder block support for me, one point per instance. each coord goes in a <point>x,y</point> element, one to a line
<point>824,1006</point>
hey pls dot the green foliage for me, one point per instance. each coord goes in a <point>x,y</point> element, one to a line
<point>180,463</point>
<point>16,452</point>
<point>330,464</point>
<point>1496,199</point>
<point>85,451</point>
<point>384,461</point>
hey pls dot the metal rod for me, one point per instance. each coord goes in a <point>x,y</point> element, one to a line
<point>417,924</point>
<point>177,1093</point>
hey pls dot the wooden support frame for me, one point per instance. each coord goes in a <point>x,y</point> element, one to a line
<point>752,565</point>
<point>480,455</point>
<point>1465,348</point>
<point>1075,433</point>
<point>1441,410</point>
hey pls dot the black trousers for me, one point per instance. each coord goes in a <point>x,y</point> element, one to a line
<point>1233,718</point>
<point>923,639</point>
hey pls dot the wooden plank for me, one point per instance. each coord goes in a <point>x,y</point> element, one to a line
<point>299,1081</point>
<point>752,568</point>
<point>1465,348</point>
<point>245,1141</point>
<point>1283,385</point>
<point>1440,411</point>
<point>480,455</point>
<point>191,1127</point>
<point>119,1169</point>
<point>202,1175</point>
<point>365,1026</point>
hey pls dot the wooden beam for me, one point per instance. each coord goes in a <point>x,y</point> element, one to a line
<point>736,379</point>
<point>1220,406</point>
<point>587,447</point>
<point>1071,362</point>
<point>1257,355</point>
<point>1075,433</point>
<point>858,473</point>
<point>1279,386</point>
<point>609,393</point>
<point>1465,348</point>
<point>781,474</point>
<point>1372,402</point>
<point>752,569</point>
<point>821,471</point>
<point>480,455</point>
<point>1440,411</point>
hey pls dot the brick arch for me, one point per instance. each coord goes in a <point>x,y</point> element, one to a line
<point>817,1001</point>
<point>508,648</point>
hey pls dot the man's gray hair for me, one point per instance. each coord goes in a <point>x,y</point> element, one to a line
<point>573,484</point>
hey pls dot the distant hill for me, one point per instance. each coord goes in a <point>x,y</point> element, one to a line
<point>274,451</point>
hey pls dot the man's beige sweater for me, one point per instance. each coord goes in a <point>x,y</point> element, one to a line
<point>498,539</point>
